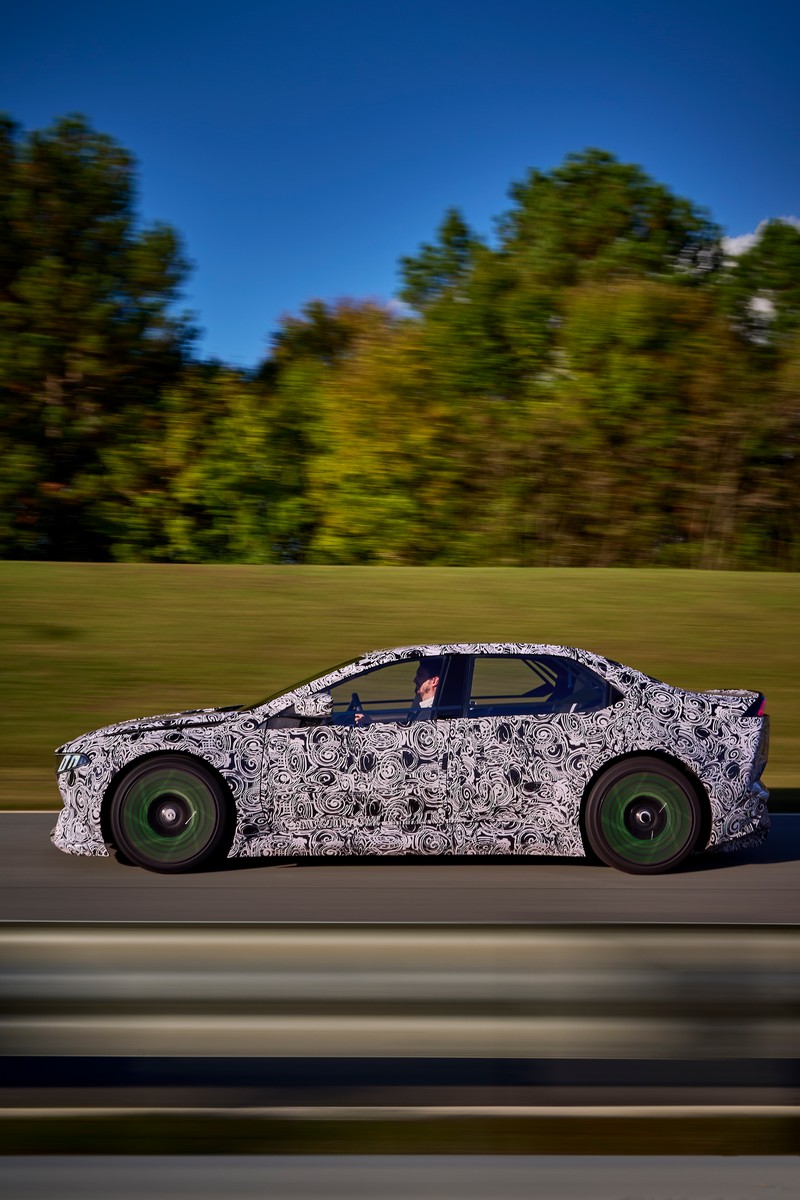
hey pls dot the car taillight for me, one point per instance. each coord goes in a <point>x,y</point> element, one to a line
<point>759,706</point>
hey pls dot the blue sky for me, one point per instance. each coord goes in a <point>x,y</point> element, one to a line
<point>301,149</point>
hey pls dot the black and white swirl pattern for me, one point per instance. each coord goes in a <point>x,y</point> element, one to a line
<point>491,785</point>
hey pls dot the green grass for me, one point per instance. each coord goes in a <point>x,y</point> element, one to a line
<point>243,1131</point>
<point>85,644</point>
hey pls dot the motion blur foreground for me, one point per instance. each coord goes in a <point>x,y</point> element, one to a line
<point>456,1039</point>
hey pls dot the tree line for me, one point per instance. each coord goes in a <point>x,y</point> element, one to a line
<point>596,385</point>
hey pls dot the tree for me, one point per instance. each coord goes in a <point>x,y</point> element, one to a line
<point>492,315</point>
<point>654,429</point>
<point>591,389</point>
<point>595,217</point>
<point>206,487</point>
<point>322,334</point>
<point>378,477</point>
<point>308,352</point>
<point>439,267</point>
<point>87,330</point>
<point>762,288</point>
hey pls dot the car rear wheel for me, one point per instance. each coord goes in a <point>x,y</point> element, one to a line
<point>169,814</point>
<point>643,816</point>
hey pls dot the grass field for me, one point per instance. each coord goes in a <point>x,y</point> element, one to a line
<point>85,644</point>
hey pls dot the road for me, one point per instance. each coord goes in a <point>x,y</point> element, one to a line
<point>451,1177</point>
<point>39,883</point>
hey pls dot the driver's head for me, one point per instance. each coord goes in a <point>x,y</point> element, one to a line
<point>427,677</point>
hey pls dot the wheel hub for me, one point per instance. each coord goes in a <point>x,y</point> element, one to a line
<point>645,818</point>
<point>168,815</point>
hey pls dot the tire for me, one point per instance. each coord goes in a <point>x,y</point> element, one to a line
<point>169,814</point>
<point>643,816</point>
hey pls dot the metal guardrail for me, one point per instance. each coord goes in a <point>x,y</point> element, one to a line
<point>451,991</point>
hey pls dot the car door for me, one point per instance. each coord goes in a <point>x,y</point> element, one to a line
<point>523,753</point>
<point>370,779</point>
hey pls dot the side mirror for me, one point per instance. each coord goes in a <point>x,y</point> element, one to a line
<point>314,707</point>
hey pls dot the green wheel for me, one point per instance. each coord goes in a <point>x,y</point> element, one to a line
<point>169,814</point>
<point>643,816</point>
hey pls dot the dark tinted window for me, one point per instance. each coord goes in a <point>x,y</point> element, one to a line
<point>384,694</point>
<point>519,685</point>
<point>389,693</point>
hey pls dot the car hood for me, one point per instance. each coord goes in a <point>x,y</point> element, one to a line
<point>177,720</point>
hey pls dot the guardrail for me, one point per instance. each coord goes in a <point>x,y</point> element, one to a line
<point>682,992</point>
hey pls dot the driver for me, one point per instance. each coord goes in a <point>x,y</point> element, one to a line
<point>426,681</point>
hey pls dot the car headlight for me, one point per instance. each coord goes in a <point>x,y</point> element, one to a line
<point>71,762</point>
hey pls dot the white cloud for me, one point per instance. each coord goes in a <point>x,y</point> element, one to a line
<point>734,246</point>
<point>399,308</point>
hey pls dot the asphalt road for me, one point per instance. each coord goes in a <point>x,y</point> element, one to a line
<point>39,883</point>
<point>451,1177</point>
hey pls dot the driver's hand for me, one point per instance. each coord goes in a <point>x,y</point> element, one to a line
<point>358,717</point>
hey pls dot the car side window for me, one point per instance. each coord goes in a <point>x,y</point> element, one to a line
<point>399,692</point>
<point>520,685</point>
<point>383,694</point>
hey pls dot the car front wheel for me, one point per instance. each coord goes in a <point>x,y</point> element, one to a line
<point>643,816</point>
<point>169,814</point>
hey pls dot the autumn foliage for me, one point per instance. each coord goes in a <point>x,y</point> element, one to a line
<point>599,386</point>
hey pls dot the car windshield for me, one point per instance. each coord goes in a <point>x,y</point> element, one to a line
<point>294,686</point>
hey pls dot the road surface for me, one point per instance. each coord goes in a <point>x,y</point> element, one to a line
<point>39,883</point>
<point>425,1177</point>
